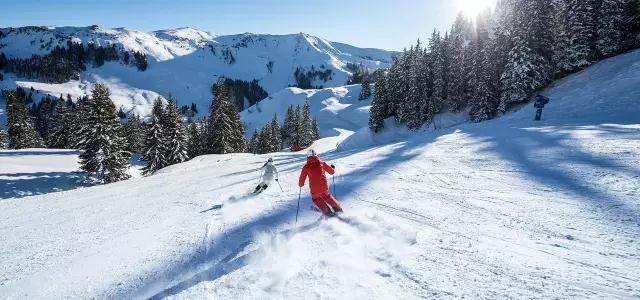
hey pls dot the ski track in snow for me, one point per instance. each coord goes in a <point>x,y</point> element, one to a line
<point>508,208</point>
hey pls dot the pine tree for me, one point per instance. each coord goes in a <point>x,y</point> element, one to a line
<point>254,142</point>
<point>155,144</point>
<point>61,131</point>
<point>135,134</point>
<point>275,135</point>
<point>22,132</point>
<point>457,72</point>
<point>225,133</point>
<point>439,69</point>
<point>288,127</point>
<point>103,153</point>
<point>631,24</point>
<point>175,137</point>
<point>315,129</point>
<point>484,66</point>
<point>365,93</point>
<point>527,68</point>
<point>4,143</point>
<point>610,27</point>
<point>195,140</point>
<point>582,33</point>
<point>43,114</point>
<point>296,130</point>
<point>238,142</point>
<point>76,118</point>
<point>306,126</point>
<point>264,141</point>
<point>522,75</point>
<point>379,105</point>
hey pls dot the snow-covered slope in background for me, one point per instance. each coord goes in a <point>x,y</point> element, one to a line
<point>23,42</point>
<point>509,208</point>
<point>185,62</point>
<point>334,108</point>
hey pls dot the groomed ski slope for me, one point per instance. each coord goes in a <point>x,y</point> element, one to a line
<point>506,208</point>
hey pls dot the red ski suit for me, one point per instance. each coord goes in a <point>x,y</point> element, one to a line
<point>315,169</point>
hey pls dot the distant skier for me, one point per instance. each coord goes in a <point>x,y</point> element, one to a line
<point>268,174</point>
<point>541,101</point>
<point>315,169</point>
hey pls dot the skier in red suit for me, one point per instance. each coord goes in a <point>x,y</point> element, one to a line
<point>315,169</point>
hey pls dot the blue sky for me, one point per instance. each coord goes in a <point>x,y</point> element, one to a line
<point>387,24</point>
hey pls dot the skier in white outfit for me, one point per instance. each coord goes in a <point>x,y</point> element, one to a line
<point>269,173</point>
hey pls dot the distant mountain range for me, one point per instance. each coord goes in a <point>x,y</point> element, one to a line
<point>185,62</point>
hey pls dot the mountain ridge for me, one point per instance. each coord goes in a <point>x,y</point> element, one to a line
<point>185,62</point>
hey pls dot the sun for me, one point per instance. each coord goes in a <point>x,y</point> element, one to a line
<point>472,8</point>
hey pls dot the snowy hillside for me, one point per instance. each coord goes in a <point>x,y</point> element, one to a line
<point>23,42</point>
<point>186,62</point>
<point>509,208</point>
<point>335,108</point>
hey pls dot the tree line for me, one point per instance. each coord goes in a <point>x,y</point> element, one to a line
<point>298,132</point>
<point>503,59</point>
<point>106,142</point>
<point>63,64</point>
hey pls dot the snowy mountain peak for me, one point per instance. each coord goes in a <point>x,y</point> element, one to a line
<point>185,33</point>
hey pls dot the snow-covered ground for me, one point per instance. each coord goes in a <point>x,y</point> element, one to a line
<point>37,171</point>
<point>509,208</point>
<point>185,62</point>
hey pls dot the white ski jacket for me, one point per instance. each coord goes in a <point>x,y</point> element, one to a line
<point>269,172</point>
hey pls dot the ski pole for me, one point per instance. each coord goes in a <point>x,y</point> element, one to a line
<point>281,189</point>
<point>298,209</point>
<point>333,178</point>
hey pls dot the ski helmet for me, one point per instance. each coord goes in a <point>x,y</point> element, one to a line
<point>311,153</point>
<point>270,159</point>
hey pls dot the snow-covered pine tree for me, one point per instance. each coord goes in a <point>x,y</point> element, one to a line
<point>135,134</point>
<point>611,22</point>
<point>436,50</point>
<point>306,126</point>
<point>238,142</point>
<point>378,112</point>
<point>253,142</point>
<point>224,129</point>
<point>22,132</point>
<point>425,86</point>
<point>409,109</point>
<point>155,143</point>
<point>264,140</point>
<point>4,141</point>
<point>296,133</point>
<point>540,18</point>
<point>484,94</point>
<point>288,126</point>
<point>43,114</point>
<point>103,153</point>
<point>522,74</point>
<point>60,136</point>
<point>457,72</point>
<point>631,21</point>
<point>174,134</point>
<point>195,131</point>
<point>365,93</point>
<point>275,134</point>
<point>315,129</point>
<point>526,69</point>
<point>77,117</point>
<point>561,33</point>
<point>582,32</point>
